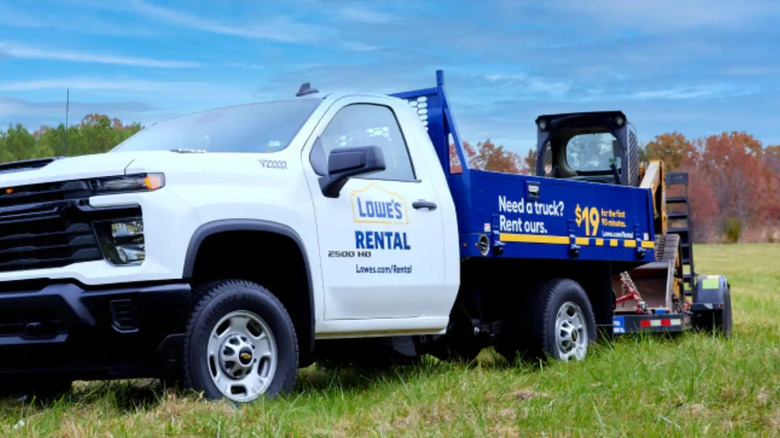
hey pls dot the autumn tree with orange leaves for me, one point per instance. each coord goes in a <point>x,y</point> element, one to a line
<point>487,156</point>
<point>673,149</point>
<point>733,182</point>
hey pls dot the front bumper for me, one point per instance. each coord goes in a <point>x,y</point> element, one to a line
<point>131,330</point>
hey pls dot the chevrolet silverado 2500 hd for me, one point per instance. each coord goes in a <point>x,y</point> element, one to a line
<point>235,245</point>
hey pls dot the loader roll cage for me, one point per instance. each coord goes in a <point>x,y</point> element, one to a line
<point>588,138</point>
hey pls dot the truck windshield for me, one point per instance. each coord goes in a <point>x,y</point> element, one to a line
<point>592,152</point>
<point>254,128</point>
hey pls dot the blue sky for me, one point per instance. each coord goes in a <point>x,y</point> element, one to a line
<point>697,66</point>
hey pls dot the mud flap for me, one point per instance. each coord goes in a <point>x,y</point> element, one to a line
<point>712,304</point>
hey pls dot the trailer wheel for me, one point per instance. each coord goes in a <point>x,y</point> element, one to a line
<point>725,318</point>
<point>557,323</point>
<point>240,343</point>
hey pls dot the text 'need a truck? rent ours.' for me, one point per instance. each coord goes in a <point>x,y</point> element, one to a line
<point>227,248</point>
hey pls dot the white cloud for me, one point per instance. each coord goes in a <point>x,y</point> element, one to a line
<point>20,108</point>
<point>99,84</point>
<point>80,23</point>
<point>657,15</point>
<point>270,28</point>
<point>693,92</point>
<point>17,50</point>
<point>246,65</point>
<point>365,16</point>
<point>530,84</point>
<point>358,47</point>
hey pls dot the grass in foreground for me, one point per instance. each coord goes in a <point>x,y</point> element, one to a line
<point>689,385</point>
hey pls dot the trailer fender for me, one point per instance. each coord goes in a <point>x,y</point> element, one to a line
<point>712,305</point>
<point>710,293</point>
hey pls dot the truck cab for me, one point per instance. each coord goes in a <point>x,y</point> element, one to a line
<point>387,233</point>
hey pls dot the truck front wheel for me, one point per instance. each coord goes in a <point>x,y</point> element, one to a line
<point>557,322</point>
<point>240,343</point>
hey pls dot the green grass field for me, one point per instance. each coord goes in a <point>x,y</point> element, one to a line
<point>695,384</point>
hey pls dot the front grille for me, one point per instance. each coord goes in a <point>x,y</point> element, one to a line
<point>48,225</point>
<point>43,194</point>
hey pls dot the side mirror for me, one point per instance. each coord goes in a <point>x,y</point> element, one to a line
<point>345,163</point>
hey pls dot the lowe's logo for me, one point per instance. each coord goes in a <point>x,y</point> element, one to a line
<point>377,205</point>
<point>393,240</point>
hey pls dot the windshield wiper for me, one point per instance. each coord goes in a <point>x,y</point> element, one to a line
<point>189,151</point>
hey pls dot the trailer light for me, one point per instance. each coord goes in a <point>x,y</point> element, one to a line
<point>619,121</point>
<point>542,124</point>
<point>122,240</point>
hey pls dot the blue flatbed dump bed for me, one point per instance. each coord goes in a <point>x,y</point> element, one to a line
<point>521,216</point>
<point>604,236</point>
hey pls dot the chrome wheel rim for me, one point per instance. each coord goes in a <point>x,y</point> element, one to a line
<point>242,356</point>
<point>571,332</point>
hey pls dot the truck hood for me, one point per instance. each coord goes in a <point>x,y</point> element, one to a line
<point>59,169</point>
<point>181,167</point>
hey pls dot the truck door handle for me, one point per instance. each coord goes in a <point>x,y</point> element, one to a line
<point>424,204</point>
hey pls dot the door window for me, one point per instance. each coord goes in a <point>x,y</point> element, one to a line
<point>370,125</point>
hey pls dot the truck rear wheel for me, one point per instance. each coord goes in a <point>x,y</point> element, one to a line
<point>557,322</point>
<point>240,343</point>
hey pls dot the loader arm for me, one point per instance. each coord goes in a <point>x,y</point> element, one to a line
<point>654,178</point>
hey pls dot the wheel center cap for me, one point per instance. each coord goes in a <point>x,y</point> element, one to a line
<point>245,356</point>
<point>574,336</point>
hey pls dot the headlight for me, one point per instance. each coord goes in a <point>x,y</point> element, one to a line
<point>129,183</point>
<point>122,240</point>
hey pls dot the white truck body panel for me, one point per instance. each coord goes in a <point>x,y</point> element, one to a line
<point>406,288</point>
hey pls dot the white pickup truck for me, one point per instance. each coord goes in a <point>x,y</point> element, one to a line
<point>233,246</point>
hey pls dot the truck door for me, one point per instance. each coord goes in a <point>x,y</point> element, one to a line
<point>380,241</point>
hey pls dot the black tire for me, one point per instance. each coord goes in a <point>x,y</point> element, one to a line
<point>533,335</point>
<point>220,299</point>
<point>725,322</point>
<point>715,321</point>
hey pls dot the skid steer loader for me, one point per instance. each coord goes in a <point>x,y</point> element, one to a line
<point>665,295</point>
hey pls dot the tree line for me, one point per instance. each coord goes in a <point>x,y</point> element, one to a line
<point>95,133</point>
<point>734,188</point>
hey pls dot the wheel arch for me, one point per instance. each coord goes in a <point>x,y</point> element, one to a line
<point>231,226</point>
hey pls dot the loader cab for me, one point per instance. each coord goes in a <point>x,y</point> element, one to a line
<point>589,146</point>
